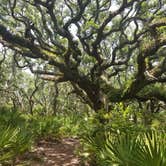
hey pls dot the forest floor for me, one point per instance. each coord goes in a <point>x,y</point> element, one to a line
<point>52,153</point>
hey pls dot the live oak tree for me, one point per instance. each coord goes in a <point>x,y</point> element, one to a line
<point>109,50</point>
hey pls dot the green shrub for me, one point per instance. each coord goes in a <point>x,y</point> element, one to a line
<point>13,142</point>
<point>71,125</point>
<point>44,127</point>
<point>11,117</point>
<point>126,148</point>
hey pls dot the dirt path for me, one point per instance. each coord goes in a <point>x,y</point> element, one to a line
<point>53,154</point>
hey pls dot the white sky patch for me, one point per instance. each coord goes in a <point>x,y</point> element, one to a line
<point>73,29</point>
<point>113,7</point>
<point>67,18</point>
<point>1,47</point>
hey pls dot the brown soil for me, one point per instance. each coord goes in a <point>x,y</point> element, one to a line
<point>51,153</point>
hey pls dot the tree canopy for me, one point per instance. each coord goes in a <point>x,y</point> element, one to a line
<point>109,50</point>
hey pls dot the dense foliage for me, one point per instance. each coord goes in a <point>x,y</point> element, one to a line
<point>119,141</point>
<point>91,70</point>
<point>19,132</point>
<point>109,50</point>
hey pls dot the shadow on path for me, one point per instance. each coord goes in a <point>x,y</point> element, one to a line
<point>53,154</point>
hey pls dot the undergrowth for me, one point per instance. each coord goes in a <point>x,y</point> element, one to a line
<point>116,142</point>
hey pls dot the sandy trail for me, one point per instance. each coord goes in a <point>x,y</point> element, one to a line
<point>49,153</point>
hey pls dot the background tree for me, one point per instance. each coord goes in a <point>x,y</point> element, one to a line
<point>26,92</point>
<point>109,50</point>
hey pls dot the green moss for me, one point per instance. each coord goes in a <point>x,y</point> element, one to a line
<point>48,53</point>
